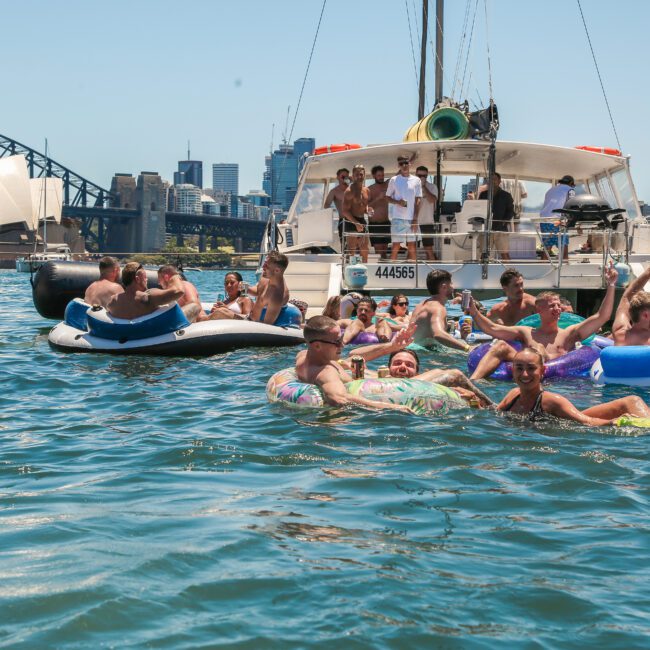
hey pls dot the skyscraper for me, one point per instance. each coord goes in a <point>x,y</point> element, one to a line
<point>281,176</point>
<point>225,178</point>
<point>189,171</point>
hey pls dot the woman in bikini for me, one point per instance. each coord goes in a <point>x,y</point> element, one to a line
<point>531,400</point>
<point>398,316</point>
<point>234,305</point>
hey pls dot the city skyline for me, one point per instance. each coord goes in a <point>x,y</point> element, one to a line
<point>542,74</point>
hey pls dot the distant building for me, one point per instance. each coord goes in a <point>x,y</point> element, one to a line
<point>466,188</point>
<point>187,198</point>
<point>282,169</point>
<point>193,170</point>
<point>225,178</point>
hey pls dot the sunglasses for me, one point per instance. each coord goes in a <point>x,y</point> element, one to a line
<point>402,304</point>
<point>338,342</point>
<point>403,162</point>
<point>422,175</point>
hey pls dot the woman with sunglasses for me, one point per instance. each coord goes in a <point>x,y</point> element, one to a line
<point>531,400</point>
<point>397,316</point>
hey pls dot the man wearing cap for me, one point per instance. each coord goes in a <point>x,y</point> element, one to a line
<point>404,194</point>
<point>554,199</point>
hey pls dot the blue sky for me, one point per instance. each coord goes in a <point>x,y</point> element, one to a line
<point>122,86</point>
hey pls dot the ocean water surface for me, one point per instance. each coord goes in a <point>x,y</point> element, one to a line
<point>163,503</point>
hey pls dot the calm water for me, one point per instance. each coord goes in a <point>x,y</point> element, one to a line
<point>163,503</point>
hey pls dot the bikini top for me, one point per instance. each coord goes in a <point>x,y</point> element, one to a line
<point>536,413</point>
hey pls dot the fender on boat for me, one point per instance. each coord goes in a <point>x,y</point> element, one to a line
<point>55,284</point>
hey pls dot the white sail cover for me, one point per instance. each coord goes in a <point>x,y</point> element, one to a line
<point>46,199</point>
<point>15,193</point>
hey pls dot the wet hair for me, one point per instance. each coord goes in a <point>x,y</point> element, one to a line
<point>508,276</point>
<point>129,271</point>
<point>435,279</point>
<point>638,303</point>
<point>411,352</point>
<point>394,300</point>
<point>565,302</point>
<point>422,168</point>
<point>343,169</point>
<point>537,353</point>
<point>376,168</point>
<point>318,326</point>
<point>545,296</point>
<point>279,259</point>
<point>333,308</point>
<point>370,301</point>
<point>167,269</point>
<point>107,263</point>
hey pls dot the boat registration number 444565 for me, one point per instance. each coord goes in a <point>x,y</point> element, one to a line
<point>396,272</point>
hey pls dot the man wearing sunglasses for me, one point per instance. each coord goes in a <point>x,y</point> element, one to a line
<point>318,365</point>
<point>427,210</point>
<point>137,300</point>
<point>404,194</point>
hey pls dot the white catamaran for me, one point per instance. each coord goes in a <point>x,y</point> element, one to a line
<point>572,260</point>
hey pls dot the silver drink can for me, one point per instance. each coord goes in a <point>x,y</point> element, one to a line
<point>357,367</point>
<point>243,288</point>
<point>465,298</point>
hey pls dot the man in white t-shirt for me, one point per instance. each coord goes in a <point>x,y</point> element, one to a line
<point>404,195</point>
<point>427,209</point>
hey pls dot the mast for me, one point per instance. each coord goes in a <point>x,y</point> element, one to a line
<point>440,10</point>
<point>45,202</point>
<point>423,58</point>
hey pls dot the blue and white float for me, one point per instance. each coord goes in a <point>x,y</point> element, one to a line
<point>167,332</point>
<point>623,364</point>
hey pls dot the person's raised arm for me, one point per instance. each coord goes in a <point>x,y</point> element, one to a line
<point>497,331</point>
<point>622,320</point>
<point>403,338</point>
<point>438,324</point>
<point>592,324</point>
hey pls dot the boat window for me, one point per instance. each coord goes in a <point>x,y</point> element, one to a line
<point>536,191</point>
<point>604,190</point>
<point>311,198</point>
<point>621,181</point>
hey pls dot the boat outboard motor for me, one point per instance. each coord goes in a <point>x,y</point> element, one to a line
<point>587,207</point>
<point>57,283</point>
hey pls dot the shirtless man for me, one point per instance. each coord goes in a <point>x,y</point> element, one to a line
<point>318,365</point>
<point>430,316</point>
<point>136,300</point>
<point>101,291</point>
<point>355,207</point>
<point>405,363</point>
<point>190,303</point>
<point>517,305</point>
<point>632,321</point>
<point>366,308</point>
<point>272,291</point>
<point>336,195</point>
<point>548,339</point>
<point>378,218</point>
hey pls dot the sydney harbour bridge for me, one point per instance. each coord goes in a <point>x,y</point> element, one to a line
<point>105,216</point>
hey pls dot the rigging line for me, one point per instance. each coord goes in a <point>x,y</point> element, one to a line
<point>487,47</point>
<point>304,81</point>
<point>461,47</point>
<point>408,18</point>
<point>469,47</point>
<point>600,79</point>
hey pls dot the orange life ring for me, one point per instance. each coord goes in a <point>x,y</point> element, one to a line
<point>334,148</point>
<point>606,150</point>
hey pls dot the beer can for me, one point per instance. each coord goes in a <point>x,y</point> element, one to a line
<point>465,319</point>
<point>243,288</point>
<point>383,372</point>
<point>221,297</point>
<point>357,367</point>
<point>465,296</point>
